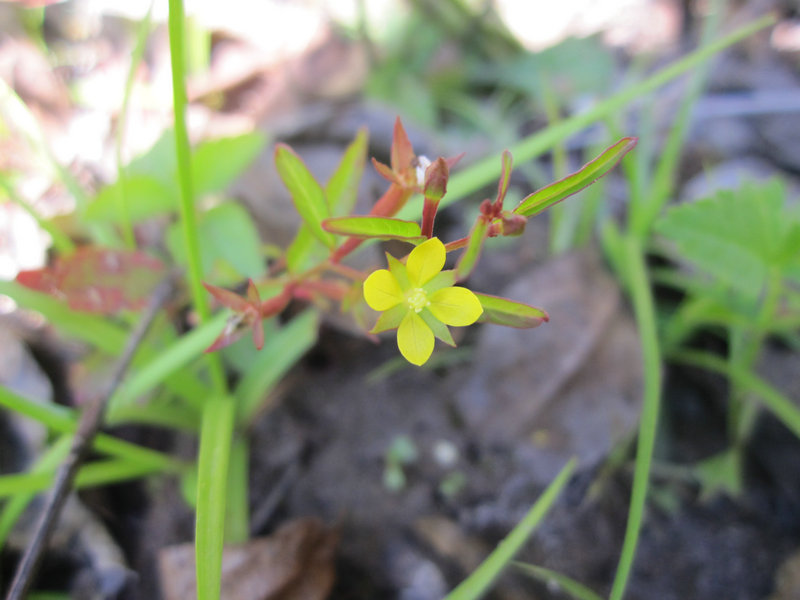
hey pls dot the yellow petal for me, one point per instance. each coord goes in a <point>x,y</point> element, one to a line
<point>381,290</point>
<point>415,339</point>
<point>455,306</point>
<point>425,261</point>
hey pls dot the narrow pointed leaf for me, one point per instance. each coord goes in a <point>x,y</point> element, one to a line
<point>305,251</point>
<point>402,152</point>
<point>384,228</point>
<point>473,250</point>
<point>592,171</point>
<point>281,351</point>
<point>502,311</point>
<point>505,176</point>
<point>307,195</point>
<point>342,188</point>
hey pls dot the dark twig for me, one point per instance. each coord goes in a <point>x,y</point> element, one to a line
<point>89,424</point>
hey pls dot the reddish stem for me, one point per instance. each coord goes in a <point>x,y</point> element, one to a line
<point>456,244</point>
<point>428,216</point>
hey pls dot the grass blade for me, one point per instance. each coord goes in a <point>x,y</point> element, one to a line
<point>481,578</point>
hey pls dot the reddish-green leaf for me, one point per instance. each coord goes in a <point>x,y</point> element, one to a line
<point>502,311</point>
<point>101,280</point>
<point>384,228</point>
<point>342,188</point>
<point>307,194</point>
<point>592,171</point>
<point>505,176</point>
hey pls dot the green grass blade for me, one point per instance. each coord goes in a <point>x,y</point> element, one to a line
<point>62,420</point>
<point>644,310</point>
<point>481,578</point>
<point>91,475</point>
<point>279,353</point>
<point>485,171</point>
<point>212,483</point>
<point>61,241</point>
<point>15,506</point>
<point>570,586</point>
<point>92,329</point>
<point>663,182</point>
<point>173,358</point>
<point>142,33</point>
<point>776,402</point>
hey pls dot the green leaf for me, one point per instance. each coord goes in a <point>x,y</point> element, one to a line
<point>307,195</point>
<point>342,188</point>
<point>737,237</point>
<point>92,329</point>
<point>231,248</point>
<point>476,585</point>
<point>385,228</point>
<point>570,586</point>
<point>158,162</point>
<point>171,359</point>
<point>147,197</point>
<point>502,311</point>
<point>212,481</point>
<point>592,171</point>
<point>473,250</point>
<point>217,163</point>
<point>305,251</point>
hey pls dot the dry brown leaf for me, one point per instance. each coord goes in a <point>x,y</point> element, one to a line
<point>294,563</point>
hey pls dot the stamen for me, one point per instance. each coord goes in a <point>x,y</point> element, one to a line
<point>417,299</point>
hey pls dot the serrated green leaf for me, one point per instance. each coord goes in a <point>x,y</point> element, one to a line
<point>737,237</point>
<point>217,163</point>
<point>592,171</point>
<point>502,311</point>
<point>342,188</point>
<point>147,196</point>
<point>307,195</point>
<point>385,228</point>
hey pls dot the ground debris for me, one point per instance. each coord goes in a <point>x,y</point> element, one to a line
<point>294,563</point>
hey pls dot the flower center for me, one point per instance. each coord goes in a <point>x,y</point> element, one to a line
<point>417,299</point>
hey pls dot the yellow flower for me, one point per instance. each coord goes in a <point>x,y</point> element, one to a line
<point>420,300</point>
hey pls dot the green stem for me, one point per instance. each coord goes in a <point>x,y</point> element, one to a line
<point>136,59</point>
<point>61,241</point>
<point>220,409</point>
<point>644,310</point>
<point>186,203</point>
<point>776,402</point>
